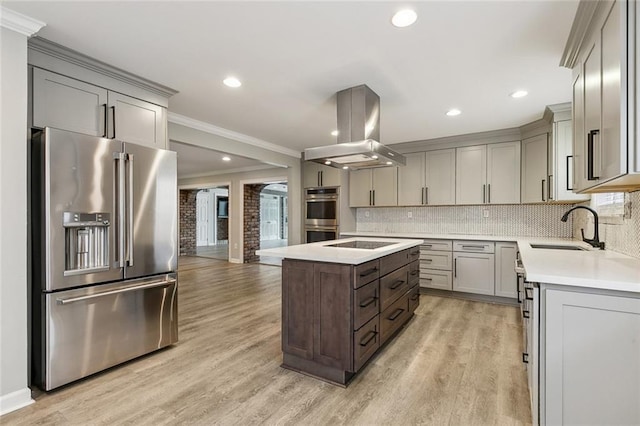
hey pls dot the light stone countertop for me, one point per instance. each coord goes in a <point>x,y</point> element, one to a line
<point>320,252</point>
<point>591,268</point>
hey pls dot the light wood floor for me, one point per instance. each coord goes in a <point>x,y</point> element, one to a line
<point>457,362</point>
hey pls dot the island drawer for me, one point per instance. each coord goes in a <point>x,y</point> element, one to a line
<point>394,261</point>
<point>393,285</point>
<point>438,245</point>
<point>414,273</point>
<point>413,254</point>
<point>432,278</point>
<point>366,342</point>
<point>436,260</point>
<point>366,272</point>
<point>366,303</point>
<point>475,246</point>
<point>414,298</point>
<point>392,318</point>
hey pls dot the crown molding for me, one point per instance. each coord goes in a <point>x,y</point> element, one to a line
<point>230,134</point>
<point>587,9</point>
<point>19,23</point>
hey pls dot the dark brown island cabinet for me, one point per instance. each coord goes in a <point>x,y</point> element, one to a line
<point>335,317</point>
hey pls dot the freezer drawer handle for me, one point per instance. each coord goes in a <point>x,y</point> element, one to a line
<point>66,301</point>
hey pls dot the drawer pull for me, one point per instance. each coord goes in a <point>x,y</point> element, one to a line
<point>415,297</point>
<point>428,245</point>
<point>525,314</point>
<point>396,284</point>
<point>525,357</point>
<point>368,272</point>
<point>427,260</point>
<point>473,247</point>
<point>368,301</point>
<point>396,314</point>
<point>368,338</point>
<point>415,272</point>
<point>526,293</point>
<point>429,279</point>
<point>415,253</point>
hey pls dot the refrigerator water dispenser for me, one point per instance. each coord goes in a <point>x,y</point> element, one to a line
<point>86,242</point>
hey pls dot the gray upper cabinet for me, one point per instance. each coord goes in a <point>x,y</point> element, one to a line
<point>561,163</point>
<point>71,91</point>
<point>140,122</point>
<point>428,178</point>
<point>315,175</point>
<point>488,174</point>
<point>601,51</point>
<point>534,169</point>
<point>373,187</point>
<point>68,104</point>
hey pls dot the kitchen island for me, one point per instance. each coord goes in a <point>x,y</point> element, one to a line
<point>342,300</point>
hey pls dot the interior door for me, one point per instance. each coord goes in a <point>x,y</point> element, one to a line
<point>202,219</point>
<point>152,216</point>
<point>269,217</point>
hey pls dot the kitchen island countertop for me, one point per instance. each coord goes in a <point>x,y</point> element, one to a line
<point>323,252</point>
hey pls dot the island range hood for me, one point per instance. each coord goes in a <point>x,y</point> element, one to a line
<point>358,134</point>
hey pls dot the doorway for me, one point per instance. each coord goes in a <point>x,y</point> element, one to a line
<point>274,221</point>
<point>212,223</point>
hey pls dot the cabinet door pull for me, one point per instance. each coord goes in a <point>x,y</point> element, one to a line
<point>569,174</point>
<point>542,196</point>
<point>370,197</point>
<point>422,194</point>
<point>396,284</point>
<point>489,193</point>
<point>484,194</point>
<point>426,195</point>
<point>368,272</point>
<point>374,197</point>
<point>591,155</point>
<point>525,357</point>
<point>549,187</point>
<point>368,302</point>
<point>525,314</point>
<point>455,268</point>
<point>368,338</point>
<point>415,296</point>
<point>104,133</point>
<point>414,272</point>
<point>113,121</point>
<point>396,314</point>
<point>526,293</point>
<point>319,179</point>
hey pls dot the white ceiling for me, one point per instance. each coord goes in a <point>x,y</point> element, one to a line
<point>293,56</point>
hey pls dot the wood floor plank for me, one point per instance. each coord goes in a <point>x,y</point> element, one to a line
<point>456,362</point>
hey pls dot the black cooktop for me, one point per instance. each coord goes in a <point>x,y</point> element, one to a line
<point>368,245</point>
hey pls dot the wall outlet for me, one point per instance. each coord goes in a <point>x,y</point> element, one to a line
<point>409,215</point>
<point>366,213</point>
<point>485,213</point>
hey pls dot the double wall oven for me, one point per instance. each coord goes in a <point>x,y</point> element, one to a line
<point>322,210</point>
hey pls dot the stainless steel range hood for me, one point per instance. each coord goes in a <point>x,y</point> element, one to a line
<point>358,134</point>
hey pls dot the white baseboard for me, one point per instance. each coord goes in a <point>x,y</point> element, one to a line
<point>15,400</point>
<point>234,260</point>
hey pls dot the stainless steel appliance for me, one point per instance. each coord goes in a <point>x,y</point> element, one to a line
<point>358,144</point>
<point>104,253</point>
<point>322,213</point>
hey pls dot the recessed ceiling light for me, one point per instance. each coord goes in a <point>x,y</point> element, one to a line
<point>519,94</point>
<point>375,157</point>
<point>453,112</point>
<point>226,159</point>
<point>334,133</point>
<point>232,82</point>
<point>404,18</point>
<point>389,163</point>
<point>327,162</point>
<point>345,167</point>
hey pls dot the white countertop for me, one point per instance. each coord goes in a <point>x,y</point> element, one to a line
<point>592,268</point>
<point>320,252</point>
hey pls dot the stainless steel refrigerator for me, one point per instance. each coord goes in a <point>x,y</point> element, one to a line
<point>104,246</point>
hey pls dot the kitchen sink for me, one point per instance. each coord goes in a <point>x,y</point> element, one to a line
<point>556,247</point>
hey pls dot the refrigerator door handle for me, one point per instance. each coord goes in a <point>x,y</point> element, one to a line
<point>130,211</point>
<point>121,178</point>
<point>66,301</point>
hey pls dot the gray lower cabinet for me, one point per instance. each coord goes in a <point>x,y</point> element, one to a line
<point>590,353</point>
<point>474,267</point>
<point>335,317</point>
<point>69,104</point>
<point>506,284</point>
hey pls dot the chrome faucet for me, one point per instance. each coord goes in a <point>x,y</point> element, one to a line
<point>595,242</point>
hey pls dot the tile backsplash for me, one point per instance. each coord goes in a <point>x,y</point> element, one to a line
<point>535,220</point>
<point>622,237</point>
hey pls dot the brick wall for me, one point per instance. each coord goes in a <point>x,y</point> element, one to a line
<point>222,229</point>
<point>251,225</point>
<point>188,222</point>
